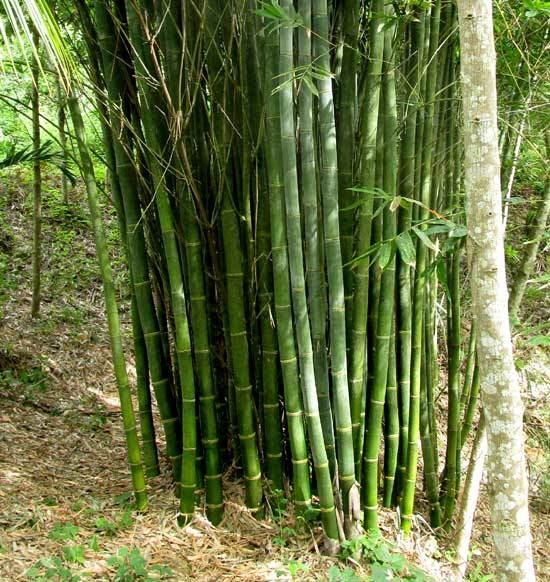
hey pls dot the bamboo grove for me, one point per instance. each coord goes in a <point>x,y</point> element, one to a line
<point>287,180</point>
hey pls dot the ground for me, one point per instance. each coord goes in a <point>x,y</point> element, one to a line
<point>64,486</point>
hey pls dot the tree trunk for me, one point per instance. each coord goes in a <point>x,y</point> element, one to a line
<point>465,517</point>
<point>535,235</point>
<point>61,128</point>
<point>499,386</point>
<point>37,181</point>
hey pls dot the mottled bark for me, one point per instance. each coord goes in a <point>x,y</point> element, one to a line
<point>500,392</point>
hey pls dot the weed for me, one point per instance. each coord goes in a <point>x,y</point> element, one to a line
<point>347,574</point>
<point>285,535</point>
<point>294,569</point>
<point>109,527</point>
<point>64,532</point>
<point>386,564</point>
<point>51,569</point>
<point>477,576</point>
<point>74,554</point>
<point>131,565</point>
<point>93,543</point>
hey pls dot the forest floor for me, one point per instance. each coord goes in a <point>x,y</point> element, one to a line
<point>64,486</point>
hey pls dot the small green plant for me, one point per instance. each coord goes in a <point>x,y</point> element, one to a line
<point>476,575</point>
<point>93,543</point>
<point>94,422</point>
<point>64,531</point>
<point>29,381</point>
<point>51,569</point>
<point>131,566</point>
<point>278,504</point>
<point>74,554</point>
<point>347,574</point>
<point>109,527</point>
<point>386,564</point>
<point>285,535</point>
<point>294,569</point>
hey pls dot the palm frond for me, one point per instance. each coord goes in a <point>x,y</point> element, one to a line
<point>45,153</point>
<point>23,16</point>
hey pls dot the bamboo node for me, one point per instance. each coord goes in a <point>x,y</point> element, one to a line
<point>238,333</point>
<point>253,478</point>
<point>142,284</point>
<point>151,333</point>
<point>212,477</point>
<point>209,442</point>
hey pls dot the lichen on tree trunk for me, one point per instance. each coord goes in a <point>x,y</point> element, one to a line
<point>500,392</point>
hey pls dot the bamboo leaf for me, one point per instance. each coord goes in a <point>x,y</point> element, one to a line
<point>406,248</point>
<point>364,255</point>
<point>424,238</point>
<point>395,203</point>
<point>377,192</point>
<point>458,231</point>
<point>385,254</point>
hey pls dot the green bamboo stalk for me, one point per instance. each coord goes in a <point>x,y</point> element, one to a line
<point>335,275</point>
<point>281,281</point>
<point>144,66</point>
<point>407,189</point>
<point>126,407</point>
<point>315,272</point>
<point>387,287</point>
<point>201,350</point>
<point>299,302</point>
<point>147,428</point>
<point>195,280</point>
<point>471,407</point>
<point>346,129</point>
<point>469,371</point>
<point>453,411</point>
<point>391,425</point>
<point>146,423</point>
<point>273,435</point>
<point>366,179</point>
<point>431,359</point>
<point>128,179</point>
<point>239,347</point>
<point>407,501</point>
<point>431,482</point>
